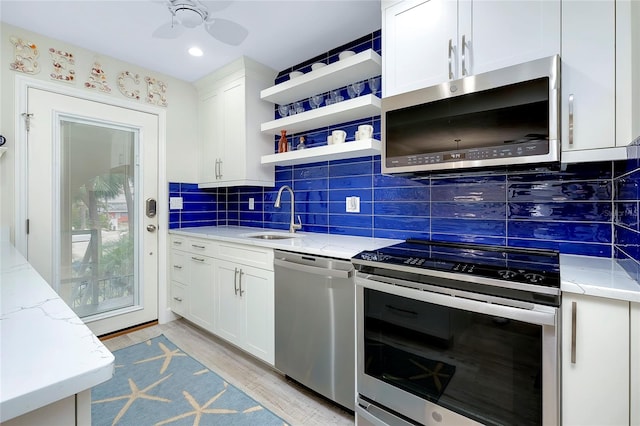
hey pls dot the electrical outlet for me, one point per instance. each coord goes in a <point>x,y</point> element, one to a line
<point>252,203</point>
<point>175,203</point>
<point>353,204</point>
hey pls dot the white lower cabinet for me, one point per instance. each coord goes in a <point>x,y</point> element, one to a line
<point>595,361</point>
<point>228,289</point>
<point>244,308</point>
<point>191,271</point>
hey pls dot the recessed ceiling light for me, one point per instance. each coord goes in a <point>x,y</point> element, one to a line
<point>195,51</point>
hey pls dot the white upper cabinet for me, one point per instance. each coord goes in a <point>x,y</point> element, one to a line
<point>588,75</point>
<point>230,113</point>
<point>416,36</point>
<point>430,42</point>
<point>600,79</point>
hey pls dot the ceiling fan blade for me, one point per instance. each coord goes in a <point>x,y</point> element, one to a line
<point>215,5</point>
<point>226,31</point>
<point>168,30</point>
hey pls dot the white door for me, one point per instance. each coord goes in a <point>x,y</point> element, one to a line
<point>92,185</point>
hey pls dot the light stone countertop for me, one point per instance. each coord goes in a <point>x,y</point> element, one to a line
<point>597,276</point>
<point>337,246</point>
<point>46,352</point>
<point>589,275</point>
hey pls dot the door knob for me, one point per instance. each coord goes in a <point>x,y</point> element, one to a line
<point>151,228</point>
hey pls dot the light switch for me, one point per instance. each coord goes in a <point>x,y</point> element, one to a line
<point>175,203</point>
<point>353,204</point>
<point>252,204</point>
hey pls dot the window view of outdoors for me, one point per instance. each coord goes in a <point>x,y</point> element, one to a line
<point>97,271</point>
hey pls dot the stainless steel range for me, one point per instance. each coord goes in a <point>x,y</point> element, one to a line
<point>457,334</point>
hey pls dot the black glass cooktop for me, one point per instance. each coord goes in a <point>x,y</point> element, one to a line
<point>528,266</point>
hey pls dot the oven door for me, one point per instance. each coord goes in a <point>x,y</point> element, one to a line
<point>430,355</point>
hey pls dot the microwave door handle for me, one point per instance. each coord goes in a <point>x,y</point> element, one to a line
<point>571,119</point>
<point>450,59</point>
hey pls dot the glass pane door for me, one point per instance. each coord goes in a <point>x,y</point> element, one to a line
<point>97,266</point>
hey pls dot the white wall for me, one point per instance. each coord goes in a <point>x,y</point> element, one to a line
<point>181,110</point>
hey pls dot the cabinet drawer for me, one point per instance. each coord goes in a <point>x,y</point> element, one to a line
<point>178,242</point>
<point>178,301</point>
<point>200,246</point>
<point>247,255</point>
<point>179,265</point>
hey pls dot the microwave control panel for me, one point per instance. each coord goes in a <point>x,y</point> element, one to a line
<point>540,147</point>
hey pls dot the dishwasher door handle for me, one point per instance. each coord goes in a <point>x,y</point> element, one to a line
<point>326,272</point>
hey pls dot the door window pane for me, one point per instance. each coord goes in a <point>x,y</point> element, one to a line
<point>98,267</point>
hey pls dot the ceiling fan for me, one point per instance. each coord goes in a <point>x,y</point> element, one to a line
<point>193,13</point>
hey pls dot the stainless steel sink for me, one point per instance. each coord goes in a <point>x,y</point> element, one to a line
<point>272,236</point>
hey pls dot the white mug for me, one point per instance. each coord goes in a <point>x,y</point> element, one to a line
<point>339,136</point>
<point>329,140</point>
<point>365,131</point>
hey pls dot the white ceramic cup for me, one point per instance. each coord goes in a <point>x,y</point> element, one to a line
<point>329,140</point>
<point>356,135</point>
<point>339,136</point>
<point>365,131</point>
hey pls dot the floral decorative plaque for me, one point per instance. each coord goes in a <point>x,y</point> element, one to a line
<point>62,65</point>
<point>97,79</point>
<point>25,56</point>
<point>126,75</point>
<point>156,90</point>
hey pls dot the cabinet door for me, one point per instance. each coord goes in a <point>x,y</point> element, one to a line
<point>232,148</point>
<point>595,389</point>
<point>501,33</point>
<point>257,293</point>
<point>201,300</point>
<point>588,74</point>
<point>227,303</point>
<point>210,114</point>
<point>416,36</point>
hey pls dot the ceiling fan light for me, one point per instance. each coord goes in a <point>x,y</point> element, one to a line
<point>188,17</point>
<point>195,51</point>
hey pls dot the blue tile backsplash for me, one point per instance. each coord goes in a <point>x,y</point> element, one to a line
<point>591,208</point>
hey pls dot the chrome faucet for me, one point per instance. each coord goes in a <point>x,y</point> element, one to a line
<point>292,226</point>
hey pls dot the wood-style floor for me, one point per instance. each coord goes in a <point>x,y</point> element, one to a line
<point>293,403</point>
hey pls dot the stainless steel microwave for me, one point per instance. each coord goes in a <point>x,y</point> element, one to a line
<point>509,116</point>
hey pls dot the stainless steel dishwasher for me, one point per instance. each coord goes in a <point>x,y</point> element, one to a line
<point>315,325</point>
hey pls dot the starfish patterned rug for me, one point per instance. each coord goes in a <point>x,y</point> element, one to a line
<point>156,383</point>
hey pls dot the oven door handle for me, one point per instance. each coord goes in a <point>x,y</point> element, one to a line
<point>488,305</point>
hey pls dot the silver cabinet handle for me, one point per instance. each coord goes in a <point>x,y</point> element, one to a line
<point>571,119</point>
<point>198,259</point>
<point>177,243</point>
<point>464,44</point>
<point>235,281</point>
<point>220,168</point>
<point>197,246</point>
<point>574,314</point>
<point>179,299</point>
<point>217,168</point>
<point>177,266</point>
<point>450,59</point>
<point>240,283</point>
